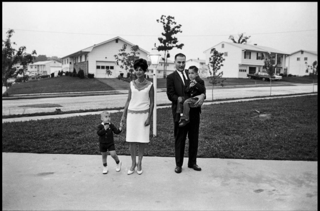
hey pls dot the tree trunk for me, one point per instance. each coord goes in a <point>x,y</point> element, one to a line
<point>270,86</point>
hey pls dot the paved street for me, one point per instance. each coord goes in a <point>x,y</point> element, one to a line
<point>20,106</point>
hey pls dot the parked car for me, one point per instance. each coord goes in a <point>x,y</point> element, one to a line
<point>264,76</point>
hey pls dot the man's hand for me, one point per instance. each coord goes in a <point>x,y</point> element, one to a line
<point>200,100</point>
<point>180,99</point>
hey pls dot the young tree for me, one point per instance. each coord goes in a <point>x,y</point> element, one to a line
<point>242,38</point>
<point>215,61</point>
<point>169,41</point>
<point>11,56</point>
<point>126,60</point>
<point>270,66</point>
<point>25,59</point>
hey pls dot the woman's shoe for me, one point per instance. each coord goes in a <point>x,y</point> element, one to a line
<point>131,172</point>
<point>139,172</point>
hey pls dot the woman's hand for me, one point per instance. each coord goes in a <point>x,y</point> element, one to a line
<point>147,122</point>
<point>122,122</point>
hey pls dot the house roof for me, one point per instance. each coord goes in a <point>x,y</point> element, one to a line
<point>43,62</point>
<point>257,48</point>
<point>312,52</point>
<point>196,60</point>
<point>89,49</point>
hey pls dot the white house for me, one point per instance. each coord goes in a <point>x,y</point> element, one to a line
<point>241,59</point>
<point>299,62</point>
<point>44,67</point>
<point>100,58</point>
<point>203,69</point>
<point>170,67</point>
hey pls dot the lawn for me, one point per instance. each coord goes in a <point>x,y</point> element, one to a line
<point>58,84</point>
<point>232,130</point>
<point>303,80</point>
<point>75,84</point>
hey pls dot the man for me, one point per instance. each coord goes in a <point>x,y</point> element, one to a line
<point>176,91</point>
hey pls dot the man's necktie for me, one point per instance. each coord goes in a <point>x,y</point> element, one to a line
<point>184,77</point>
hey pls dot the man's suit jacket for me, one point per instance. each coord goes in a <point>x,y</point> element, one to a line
<point>176,88</point>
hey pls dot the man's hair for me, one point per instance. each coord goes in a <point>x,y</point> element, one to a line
<point>179,54</point>
<point>194,68</point>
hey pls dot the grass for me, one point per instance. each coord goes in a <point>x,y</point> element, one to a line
<point>58,84</point>
<point>232,130</point>
<point>75,84</point>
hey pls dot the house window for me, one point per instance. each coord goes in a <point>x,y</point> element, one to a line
<point>242,70</point>
<point>98,67</point>
<point>307,70</point>
<point>111,67</point>
<point>158,71</point>
<point>259,56</point>
<point>116,40</point>
<point>225,53</point>
<point>102,67</point>
<point>222,45</point>
<point>247,55</point>
<point>298,58</point>
<point>107,67</point>
<point>305,58</point>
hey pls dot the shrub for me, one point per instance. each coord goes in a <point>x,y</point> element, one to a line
<point>289,75</point>
<point>74,74</point>
<point>18,80</point>
<point>90,75</point>
<point>52,75</point>
<point>81,74</point>
<point>45,76</point>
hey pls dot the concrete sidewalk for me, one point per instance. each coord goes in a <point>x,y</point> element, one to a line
<point>75,182</point>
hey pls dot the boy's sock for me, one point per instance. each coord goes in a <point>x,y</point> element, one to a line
<point>181,114</point>
<point>105,164</point>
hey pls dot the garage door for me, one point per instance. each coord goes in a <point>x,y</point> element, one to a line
<point>102,69</point>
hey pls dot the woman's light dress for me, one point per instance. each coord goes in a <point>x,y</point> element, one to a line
<point>138,111</point>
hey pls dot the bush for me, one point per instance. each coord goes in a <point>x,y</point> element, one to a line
<point>289,75</point>
<point>81,74</point>
<point>90,75</point>
<point>52,75</point>
<point>74,74</point>
<point>44,76</point>
<point>18,80</point>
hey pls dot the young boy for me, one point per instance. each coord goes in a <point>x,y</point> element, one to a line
<point>105,132</point>
<point>194,88</point>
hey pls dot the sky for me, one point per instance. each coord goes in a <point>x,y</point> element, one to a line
<point>61,28</point>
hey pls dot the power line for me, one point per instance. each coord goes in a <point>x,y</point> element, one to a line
<point>181,35</point>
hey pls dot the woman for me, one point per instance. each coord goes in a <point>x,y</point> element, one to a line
<point>137,114</point>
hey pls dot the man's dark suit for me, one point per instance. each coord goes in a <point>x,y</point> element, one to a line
<point>176,88</point>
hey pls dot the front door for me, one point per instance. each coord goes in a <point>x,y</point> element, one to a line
<point>252,70</point>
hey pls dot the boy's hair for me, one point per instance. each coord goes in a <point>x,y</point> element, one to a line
<point>104,113</point>
<point>194,68</point>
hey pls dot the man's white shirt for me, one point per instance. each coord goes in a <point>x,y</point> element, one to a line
<point>181,76</point>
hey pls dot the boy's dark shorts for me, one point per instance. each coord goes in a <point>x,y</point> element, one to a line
<point>107,147</point>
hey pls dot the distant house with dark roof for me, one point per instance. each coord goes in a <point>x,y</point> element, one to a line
<point>300,62</point>
<point>241,59</point>
<point>98,59</point>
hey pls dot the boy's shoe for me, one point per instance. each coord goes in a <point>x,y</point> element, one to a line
<point>105,170</point>
<point>183,122</point>
<point>119,166</point>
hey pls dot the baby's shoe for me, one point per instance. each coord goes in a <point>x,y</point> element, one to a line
<point>119,166</point>
<point>105,170</point>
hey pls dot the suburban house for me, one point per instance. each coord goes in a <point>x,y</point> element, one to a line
<point>241,59</point>
<point>300,62</point>
<point>44,68</point>
<point>99,59</point>
<point>170,67</point>
<point>201,65</point>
